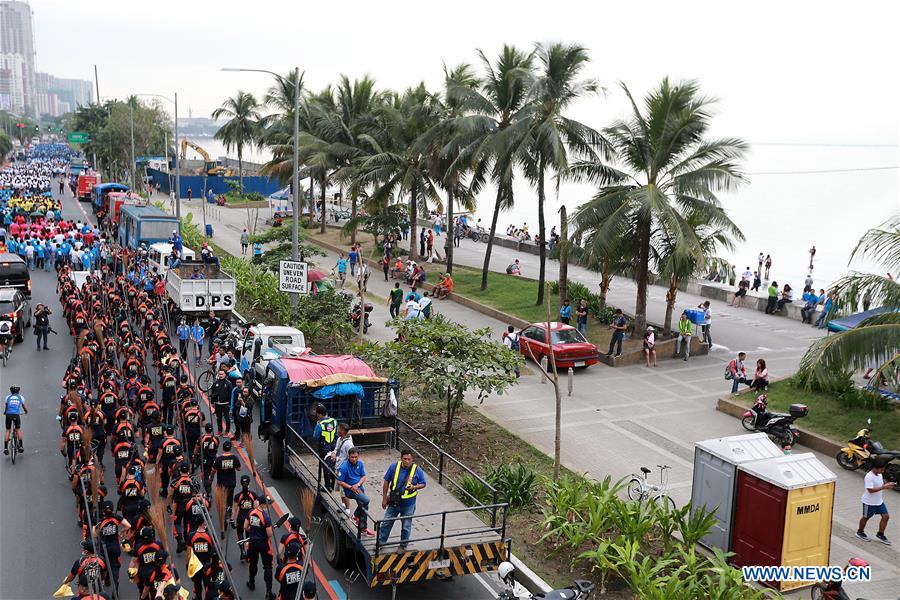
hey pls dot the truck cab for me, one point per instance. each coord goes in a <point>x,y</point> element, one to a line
<point>264,343</point>
<point>158,256</point>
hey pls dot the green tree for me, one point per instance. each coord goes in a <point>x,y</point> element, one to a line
<point>443,360</point>
<point>662,168</point>
<point>5,145</point>
<point>553,136</point>
<point>875,343</point>
<point>242,127</point>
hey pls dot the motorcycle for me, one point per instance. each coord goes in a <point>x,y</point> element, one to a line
<point>834,590</point>
<point>356,313</point>
<point>862,452</point>
<point>778,426</point>
<point>580,590</point>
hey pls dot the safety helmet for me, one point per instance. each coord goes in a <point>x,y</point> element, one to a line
<point>107,506</point>
<point>73,417</point>
<point>208,427</point>
<point>226,445</point>
<point>170,430</point>
<point>245,480</point>
<point>292,549</point>
<point>506,571</point>
<point>145,534</point>
<point>185,468</point>
<point>87,546</point>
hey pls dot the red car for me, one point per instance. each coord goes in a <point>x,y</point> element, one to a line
<point>570,348</point>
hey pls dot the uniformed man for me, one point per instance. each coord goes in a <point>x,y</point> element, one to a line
<point>203,547</point>
<point>108,531</point>
<point>166,457</point>
<point>325,434</point>
<point>243,502</point>
<point>258,529</point>
<point>289,572</point>
<point>225,468</point>
<point>90,565</point>
<point>181,492</point>
<point>294,535</point>
<point>205,455</point>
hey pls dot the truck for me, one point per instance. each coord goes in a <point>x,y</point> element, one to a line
<point>145,225</point>
<point>263,343</point>
<point>216,291</point>
<point>158,256</point>
<point>86,182</point>
<point>115,202</point>
<point>449,537</point>
<point>101,195</point>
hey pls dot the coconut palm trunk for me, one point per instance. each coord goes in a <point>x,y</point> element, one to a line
<point>240,153</point>
<point>449,230</point>
<point>413,229</point>
<point>671,295</point>
<point>542,275</point>
<point>643,274</point>
<point>490,243</point>
<point>353,201</point>
<point>604,283</point>
<point>322,197</point>
<point>563,255</point>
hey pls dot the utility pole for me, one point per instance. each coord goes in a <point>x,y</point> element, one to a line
<point>295,234</point>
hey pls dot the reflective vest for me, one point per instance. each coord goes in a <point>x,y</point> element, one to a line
<point>406,494</point>
<point>329,429</point>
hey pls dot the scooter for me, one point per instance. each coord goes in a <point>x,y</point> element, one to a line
<point>862,452</point>
<point>580,590</point>
<point>355,315</point>
<point>778,426</point>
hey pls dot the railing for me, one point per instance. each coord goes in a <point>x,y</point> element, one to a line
<point>322,468</point>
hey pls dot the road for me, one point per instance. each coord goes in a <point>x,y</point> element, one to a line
<point>39,539</point>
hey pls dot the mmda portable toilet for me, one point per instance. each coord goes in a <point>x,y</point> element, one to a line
<point>782,515</point>
<point>715,476</point>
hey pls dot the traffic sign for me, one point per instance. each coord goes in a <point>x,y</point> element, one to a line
<point>292,276</point>
<point>78,137</point>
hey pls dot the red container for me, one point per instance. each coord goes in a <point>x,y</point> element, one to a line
<point>760,502</point>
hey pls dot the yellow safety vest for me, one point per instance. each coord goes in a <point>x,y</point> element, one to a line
<point>412,472</point>
<point>329,429</point>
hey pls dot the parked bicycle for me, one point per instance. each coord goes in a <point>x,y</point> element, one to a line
<point>640,489</point>
<point>478,236</point>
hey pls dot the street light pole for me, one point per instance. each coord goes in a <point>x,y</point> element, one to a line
<point>177,169</point>
<point>131,106</point>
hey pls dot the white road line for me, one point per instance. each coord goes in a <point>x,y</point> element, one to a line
<point>277,497</point>
<point>479,577</point>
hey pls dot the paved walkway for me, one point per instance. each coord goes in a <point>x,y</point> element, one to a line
<point>620,419</point>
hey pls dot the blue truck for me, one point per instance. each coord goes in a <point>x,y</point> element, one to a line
<point>145,224</point>
<point>101,194</point>
<point>449,537</point>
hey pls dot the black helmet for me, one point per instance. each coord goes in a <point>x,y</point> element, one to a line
<point>170,430</point>
<point>73,417</point>
<point>245,480</point>
<point>107,506</point>
<point>14,389</point>
<point>145,534</point>
<point>226,446</point>
<point>161,556</point>
<point>208,427</point>
<point>88,546</point>
<point>295,523</point>
<point>143,505</point>
<point>185,468</point>
<point>292,549</point>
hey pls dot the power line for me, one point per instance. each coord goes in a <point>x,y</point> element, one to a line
<point>854,170</point>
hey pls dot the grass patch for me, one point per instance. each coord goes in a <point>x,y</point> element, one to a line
<point>831,418</point>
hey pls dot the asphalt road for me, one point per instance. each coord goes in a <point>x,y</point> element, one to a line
<point>39,538</point>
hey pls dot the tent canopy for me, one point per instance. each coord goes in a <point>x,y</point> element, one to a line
<point>328,369</point>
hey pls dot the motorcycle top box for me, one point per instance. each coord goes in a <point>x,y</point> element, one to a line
<point>798,410</point>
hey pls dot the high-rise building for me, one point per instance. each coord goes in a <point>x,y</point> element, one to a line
<point>67,93</point>
<point>17,39</point>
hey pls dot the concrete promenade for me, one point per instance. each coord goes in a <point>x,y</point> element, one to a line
<point>620,419</point>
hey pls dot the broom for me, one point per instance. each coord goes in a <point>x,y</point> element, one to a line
<point>154,483</point>
<point>247,441</point>
<point>87,436</point>
<point>221,503</point>
<point>308,502</point>
<point>158,520</point>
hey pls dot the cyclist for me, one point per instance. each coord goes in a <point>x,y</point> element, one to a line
<point>13,409</point>
<point>6,332</point>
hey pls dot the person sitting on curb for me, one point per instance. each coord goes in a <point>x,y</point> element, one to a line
<point>685,331</point>
<point>737,372</point>
<point>444,288</point>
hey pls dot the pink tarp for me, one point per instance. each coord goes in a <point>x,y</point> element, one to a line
<point>326,369</point>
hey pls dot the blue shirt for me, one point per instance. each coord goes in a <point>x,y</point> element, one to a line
<point>197,332</point>
<point>14,404</point>
<point>413,296</point>
<point>418,479</point>
<point>184,332</point>
<point>565,311</point>
<point>353,256</point>
<point>342,265</point>
<point>351,474</point>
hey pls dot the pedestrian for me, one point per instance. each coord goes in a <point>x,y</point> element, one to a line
<point>581,317</point>
<point>184,334</point>
<point>760,376</point>
<point>385,266</point>
<point>245,241</point>
<point>396,299</point>
<point>565,312</point>
<point>650,345</point>
<point>812,255</point>
<point>773,298</point>
<point>42,325</point>
<point>618,325</point>
<point>351,478</point>
<point>425,305</point>
<point>341,267</point>
<point>873,501</point>
<point>197,334</point>
<point>511,341</point>
<point>220,395</point>
<point>362,277</point>
<point>707,323</point>
<point>402,482</point>
<point>768,264</point>
<point>808,283</point>
<point>429,244</point>
<point>422,238</point>
<point>757,282</point>
<point>736,372</point>
<point>353,258</point>
<point>761,259</point>
<point>684,335</point>
<point>190,193</point>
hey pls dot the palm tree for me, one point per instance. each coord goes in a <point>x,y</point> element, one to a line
<point>680,257</point>
<point>400,164</point>
<point>602,255</point>
<point>241,129</point>
<point>662,170</point>
<point>875,343</point>
<point>552,135</point>
<point>5,145</point>
<point>499,125</point>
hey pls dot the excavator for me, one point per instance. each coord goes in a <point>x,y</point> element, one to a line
<point>213,169</point>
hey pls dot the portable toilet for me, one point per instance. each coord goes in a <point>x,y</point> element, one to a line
<point>715,476</point>
<point>782,514</point>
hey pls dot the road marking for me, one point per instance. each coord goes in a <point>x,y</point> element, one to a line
<point>336,586</point>
<point>480,578</point>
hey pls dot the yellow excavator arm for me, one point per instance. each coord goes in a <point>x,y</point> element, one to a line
<point>184,146</point>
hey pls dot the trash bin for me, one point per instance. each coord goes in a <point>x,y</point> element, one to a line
<point>715,477</point>
<point>209,231</point>
<point>782,515</point>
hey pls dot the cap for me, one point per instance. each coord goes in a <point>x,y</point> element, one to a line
<point>292,549</point>
<point>87,545</point>
<point>226,445</point>
<point>295,523</point>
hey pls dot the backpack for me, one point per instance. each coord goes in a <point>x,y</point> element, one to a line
<point>514,342</point>
<point>728,373</point>
<point>5,328</point>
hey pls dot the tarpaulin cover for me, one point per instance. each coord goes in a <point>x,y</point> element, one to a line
<point>853,321</point>
<point>328,369</point>
<point>339,389</point>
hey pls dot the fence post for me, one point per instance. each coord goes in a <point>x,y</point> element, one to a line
<point>441,468</point>
<point>494,510</point>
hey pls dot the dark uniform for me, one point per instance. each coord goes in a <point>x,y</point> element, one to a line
<point>108,530</point>
<point>209,446</point>
<point>181,493</point>
<point>225,467</point>
<point>203,547</point>
<point>258,546</point>
<point>245,500</point>
<point>288,575</point>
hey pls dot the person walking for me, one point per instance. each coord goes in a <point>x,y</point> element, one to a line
<point>761,259</point>
<point>197,335</point>
<point>618,325</point>
<point>685,332</point>
<point>650,345</point>
<point>385,265</point>
<point>773,298</point>
<point>41,325</point>
<point>812,255</point>
<point>768,263</point>
<point>184,334</point>
<point>757,282</point>
<point>581,317</point>
<point>353,257</point>
<point>401,485</point>
<point>257,253</point>
<point>245,241</point>
<point>873,502</point>
<point>341,266</point>
<point>565,312</point>
<point>395,300</point>
<point>511,341</point>
<point>707,323</point>
<point>422,238</point>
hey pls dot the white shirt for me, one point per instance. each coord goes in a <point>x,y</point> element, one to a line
<point>509,339</point>
<point>873,481</point>
<point>747,276</point>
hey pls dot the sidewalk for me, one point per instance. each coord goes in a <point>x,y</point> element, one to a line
<point>618,420</point>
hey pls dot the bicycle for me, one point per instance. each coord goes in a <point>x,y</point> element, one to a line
<point>4,352</point>
<point>640,489</point>
<point>478,236</point>
<point>14,451</point>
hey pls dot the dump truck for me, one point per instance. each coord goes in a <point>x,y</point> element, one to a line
<point>189,293</point>
<point>449,537</point>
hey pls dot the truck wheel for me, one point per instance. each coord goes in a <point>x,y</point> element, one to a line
<point>276,457</point>
<point>336,551</point>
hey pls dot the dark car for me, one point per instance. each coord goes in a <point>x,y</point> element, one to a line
<point>14,273</point>
<point>569,346</point>
<point>14,307</point>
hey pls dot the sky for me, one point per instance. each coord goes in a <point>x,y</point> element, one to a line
<point>820,76</point>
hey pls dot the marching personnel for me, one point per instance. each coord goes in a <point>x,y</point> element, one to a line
<point>121,453</point>
<point>131,492</point>
<point>193,422</point>
<point>154,434</point>
<point>294,535</point>
<point>259,530</point>
<point>243,502</point>
<point>71,440</point>
<point>205,455</point>
<point>290,572</point>
<point>225,467</point>
<point>108,531</point>
<point>146,552</point>
<point>194,509</point>
<point>166,457</point>
<point>203,548</point>
<point>181,493</point>
<point>96,420</point>
<point>90,565</point>
<point>159,579</point>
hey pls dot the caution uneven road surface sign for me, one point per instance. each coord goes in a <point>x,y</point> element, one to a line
<point>292,276</point>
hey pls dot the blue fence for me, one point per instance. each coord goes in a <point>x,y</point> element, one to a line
<point>218,185</point>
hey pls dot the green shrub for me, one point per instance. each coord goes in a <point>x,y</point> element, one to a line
<point>472,492</point>
<point>577,292</point>
<point>517,484</point>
